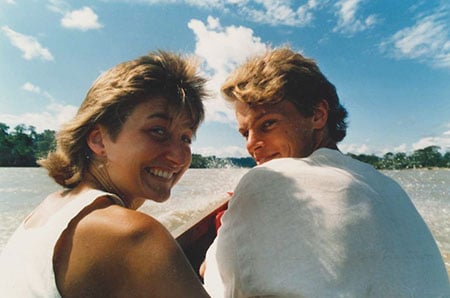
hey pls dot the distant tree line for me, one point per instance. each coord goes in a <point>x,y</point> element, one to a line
<point>429,157</point>
<point>201,162</point>
<point>23,146</point>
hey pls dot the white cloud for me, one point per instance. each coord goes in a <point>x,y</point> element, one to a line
<point>204,3</point>
<point>442,141</point>
<point>355,148</point>
<point>283,12</point>
<point>222,49</point>
<point>36,89</point>
<point>31,88</point>
<point>29,45</point>
<point>400,148</point>
<point>348,20</point>
<point>428,40</point>
<point>279,12</point>
<point>83,19</point>
<point>58,6</point>
<point>51,118</point>
<point>10,1</point>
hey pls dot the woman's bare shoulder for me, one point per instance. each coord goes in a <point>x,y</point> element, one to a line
<point>116,221</point>
<point>123,241</point>
<point>122,232</point>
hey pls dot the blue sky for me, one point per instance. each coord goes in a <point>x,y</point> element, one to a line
<point>390,60</point>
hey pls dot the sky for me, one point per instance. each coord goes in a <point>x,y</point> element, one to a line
<point>389,60</point>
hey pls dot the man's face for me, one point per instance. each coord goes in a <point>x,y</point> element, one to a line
<point>275,130</point>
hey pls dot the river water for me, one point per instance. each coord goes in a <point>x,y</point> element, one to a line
<point>22,189</point>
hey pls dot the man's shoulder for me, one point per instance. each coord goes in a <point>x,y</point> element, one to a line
<point>298,166</point>
<point>265,174</point>
<point>284,164</point>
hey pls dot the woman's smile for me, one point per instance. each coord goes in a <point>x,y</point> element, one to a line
<point>160,173</point>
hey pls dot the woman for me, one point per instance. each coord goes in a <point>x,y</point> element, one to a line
<point>129,142</point>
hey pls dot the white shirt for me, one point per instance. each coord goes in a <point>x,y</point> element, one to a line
<point>26,262</point>
<point>323,226</point>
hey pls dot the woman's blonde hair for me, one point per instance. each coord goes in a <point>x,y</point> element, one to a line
<point>113,97</point>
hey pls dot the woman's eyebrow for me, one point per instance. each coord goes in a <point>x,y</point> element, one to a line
<point>160,115</point>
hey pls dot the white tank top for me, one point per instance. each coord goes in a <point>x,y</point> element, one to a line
<point>26,262</point>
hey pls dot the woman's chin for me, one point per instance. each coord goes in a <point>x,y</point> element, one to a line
<point>159,198</point>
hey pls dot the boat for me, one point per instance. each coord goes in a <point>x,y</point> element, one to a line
<point>195,236</point>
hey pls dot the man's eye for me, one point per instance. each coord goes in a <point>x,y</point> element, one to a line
<point>244,134</point>
<point>267,124</point>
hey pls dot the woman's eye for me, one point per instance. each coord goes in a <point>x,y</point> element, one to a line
<point>159,132</point>
<point>187,139</point>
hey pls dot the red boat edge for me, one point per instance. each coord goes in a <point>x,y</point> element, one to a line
<point>197,235</point>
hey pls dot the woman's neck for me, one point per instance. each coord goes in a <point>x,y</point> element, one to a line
<point>98,177</point>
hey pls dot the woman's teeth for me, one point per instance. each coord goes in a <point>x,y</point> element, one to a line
<point>159,173</point>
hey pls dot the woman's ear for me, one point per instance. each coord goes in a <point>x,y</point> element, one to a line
<point>95,140</point>
<point>320,116</point>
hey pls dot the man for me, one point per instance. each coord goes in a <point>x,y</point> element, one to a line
<point>309,221</point>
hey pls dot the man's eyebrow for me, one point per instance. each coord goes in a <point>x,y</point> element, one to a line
<point>262,114</point>
<point>241,130</point>
<point>257,118</point>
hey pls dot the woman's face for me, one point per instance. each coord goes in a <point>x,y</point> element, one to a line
<point>151,152</point>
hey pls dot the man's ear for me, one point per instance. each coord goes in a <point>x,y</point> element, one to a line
<point>320,116</point>
<point>95,140</point>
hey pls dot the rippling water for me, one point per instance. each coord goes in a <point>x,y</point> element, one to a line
<point>21,189</point>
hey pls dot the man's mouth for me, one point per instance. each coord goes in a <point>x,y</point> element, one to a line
<point>262,159</point>
<point>159,173</point>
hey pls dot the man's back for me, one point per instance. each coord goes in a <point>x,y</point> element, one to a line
<point>325,226</point>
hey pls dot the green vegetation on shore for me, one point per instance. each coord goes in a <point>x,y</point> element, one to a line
<point>201,162</point>
<point>23,146</point>
<point>428,157</point>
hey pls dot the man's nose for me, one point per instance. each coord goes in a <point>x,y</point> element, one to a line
<point>254,142</point>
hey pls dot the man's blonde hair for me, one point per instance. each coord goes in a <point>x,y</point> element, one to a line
<point>282,74</point>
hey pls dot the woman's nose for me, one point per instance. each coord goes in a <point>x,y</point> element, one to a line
<point>178,152</point>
